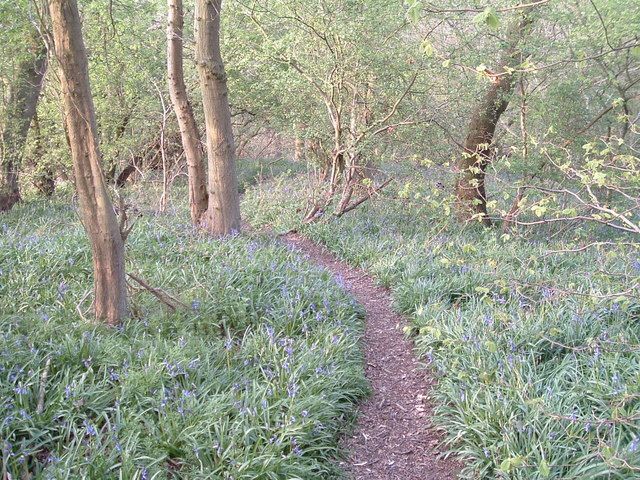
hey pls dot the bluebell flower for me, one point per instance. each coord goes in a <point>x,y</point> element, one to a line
<point>270,331</point>
<point>20,390</point>
<point>63,288</point>
<point>91,430</point>
<point>296,448</point>
<point>292,390</point>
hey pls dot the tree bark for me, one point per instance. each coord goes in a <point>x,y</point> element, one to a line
<point>471,197</point>
<point>21,108</point>
<point>96,209</point>
<point>198,201</point>
<point>223,212</point>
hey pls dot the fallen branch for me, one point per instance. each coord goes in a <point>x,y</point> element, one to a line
<point>170,301</point>
<point>363,198</point>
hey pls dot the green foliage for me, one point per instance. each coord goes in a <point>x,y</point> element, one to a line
<point>536,353</point>
<point>254,380</point>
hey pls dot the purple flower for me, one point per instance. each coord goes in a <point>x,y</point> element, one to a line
<point>270,331</point>
<point>91,430</point>
<point>20,390</point>
<point>296,448</point>
<point>292,390</point>
<point>63,288</point>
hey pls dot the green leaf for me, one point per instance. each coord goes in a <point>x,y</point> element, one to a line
<point>414,11</point>
<point>428,48</point>
<point>505,466</point>
<point>635,51</point>
<point>488,17</point>
<point>492,347</point>
<point>544,469</point>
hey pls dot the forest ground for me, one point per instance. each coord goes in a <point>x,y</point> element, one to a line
<point>534,352</point>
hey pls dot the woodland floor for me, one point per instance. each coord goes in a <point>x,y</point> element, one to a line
<point>393,438</point>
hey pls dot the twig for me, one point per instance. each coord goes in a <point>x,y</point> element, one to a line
<point>79,305</point>
<point>43,386</point>
<point>364,198</point>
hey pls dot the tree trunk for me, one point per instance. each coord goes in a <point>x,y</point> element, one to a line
<point>96,209</point>
<point>299,153</point>
<point>184,113</point>
<point>44,179</point>
<point>223,213</point>
<point>471,195</point>
<point>22,102</point>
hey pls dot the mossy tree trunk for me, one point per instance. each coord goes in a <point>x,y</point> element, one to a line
<point>21,108</point>
<point>471,197</point>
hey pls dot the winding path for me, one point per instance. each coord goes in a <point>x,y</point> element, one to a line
<point>392,439</point>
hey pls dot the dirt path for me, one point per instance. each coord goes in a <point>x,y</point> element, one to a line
<point>392,439</point>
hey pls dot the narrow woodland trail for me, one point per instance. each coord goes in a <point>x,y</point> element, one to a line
<point>393,439</point>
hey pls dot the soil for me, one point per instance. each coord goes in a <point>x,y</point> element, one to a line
<point>393,438</point>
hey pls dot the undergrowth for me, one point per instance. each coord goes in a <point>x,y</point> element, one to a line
<point>255,379</point>
<point>536,351</point>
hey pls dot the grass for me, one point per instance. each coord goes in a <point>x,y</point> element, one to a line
<point>256,379</point>
<point>537,353</point>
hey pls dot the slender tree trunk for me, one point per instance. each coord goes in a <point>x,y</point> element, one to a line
<point>470,186</point>
<point>198,201</point>
<point>299,153</point>
<point>44,180</point>
<point>23,99</point>
<point>223,213</point>
<point>96,209</point>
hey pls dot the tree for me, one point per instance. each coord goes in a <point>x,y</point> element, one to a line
<point>96,209</point>
<point>223,213</point>
<point>471,195</point>
<point>318,60</point>
<point>184,113</point>
<point>21,108</point>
